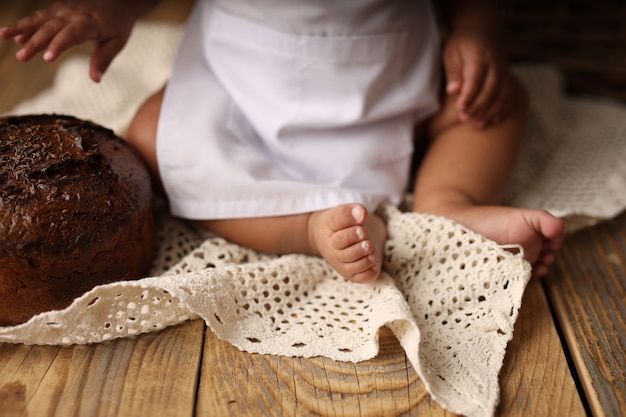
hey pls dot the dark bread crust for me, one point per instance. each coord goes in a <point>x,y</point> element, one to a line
<point>75,212</point>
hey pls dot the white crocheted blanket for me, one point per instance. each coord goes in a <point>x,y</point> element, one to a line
<point>450,296</point>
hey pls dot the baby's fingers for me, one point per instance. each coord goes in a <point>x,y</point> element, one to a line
<point>54,37</point>
<point>22,28</point>
<point>481,108</point>
<point>474,75</point>
<point>102,56</point>
<point>21,39</point>
<point>497,109</point>
<point>38,39</point>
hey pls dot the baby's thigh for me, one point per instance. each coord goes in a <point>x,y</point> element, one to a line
<point>445,118</point>
<point>142,131</point>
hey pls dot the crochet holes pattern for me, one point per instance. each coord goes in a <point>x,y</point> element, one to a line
<point>132,312</point>
<point>270,293</point>
<point>174,241</point>
<point>460,288</point>
<point>263,287</point>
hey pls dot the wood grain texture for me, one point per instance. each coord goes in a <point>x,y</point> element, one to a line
<point>235,383</point>
<point>535,378</point>
<point>588,292</point>
<point>153,375</point>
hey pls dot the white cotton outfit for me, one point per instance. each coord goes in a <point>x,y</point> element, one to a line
<point>315,108</point>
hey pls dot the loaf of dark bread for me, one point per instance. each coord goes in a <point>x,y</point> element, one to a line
<point>75,212</point>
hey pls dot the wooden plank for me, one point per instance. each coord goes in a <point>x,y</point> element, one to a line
<point>535,378</point>
<point>588,292</point>
<point>154,375</point>
<point>243,384</point>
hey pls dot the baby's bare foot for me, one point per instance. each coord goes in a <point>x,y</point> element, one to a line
<point>350,240</point>
<point>537,231</point>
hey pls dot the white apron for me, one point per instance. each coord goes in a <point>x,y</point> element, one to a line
<point>261,122</point>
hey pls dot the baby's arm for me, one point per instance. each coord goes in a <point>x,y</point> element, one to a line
<point>107,24</point>
<point>475,66</point>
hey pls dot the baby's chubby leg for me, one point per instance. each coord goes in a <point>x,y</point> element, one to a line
<point>348,237</point>
<point>142,133</point>
<point>464,175</point>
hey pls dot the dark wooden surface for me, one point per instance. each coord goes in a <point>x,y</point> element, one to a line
<point>587,290</point>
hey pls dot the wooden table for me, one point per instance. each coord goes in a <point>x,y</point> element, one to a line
<point>567,357</point>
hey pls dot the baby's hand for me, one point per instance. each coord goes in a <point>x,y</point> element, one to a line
<point>476,71</point>
<point>65,24</point>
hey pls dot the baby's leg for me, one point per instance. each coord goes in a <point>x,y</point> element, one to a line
<point>142,132</point>
<point>465,173</point>
<point>348,237</point>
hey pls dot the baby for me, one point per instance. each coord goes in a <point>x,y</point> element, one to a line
<point>284,127</point>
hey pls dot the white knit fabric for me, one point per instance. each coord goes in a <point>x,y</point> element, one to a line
<point>573,161</point>
<point>450,296</point>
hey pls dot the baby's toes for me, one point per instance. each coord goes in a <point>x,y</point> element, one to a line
<point>541,267</point>
<point>347,237</point>
<point>345,216</point>
<point>362,270</point>
<point>355,252</point>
